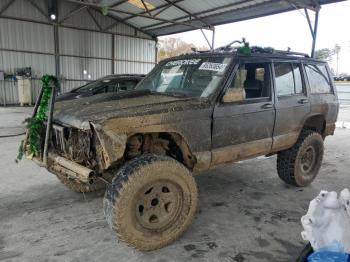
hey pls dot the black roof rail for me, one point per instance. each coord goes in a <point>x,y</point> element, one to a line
<point>270,50</point>
<point>290,53</point>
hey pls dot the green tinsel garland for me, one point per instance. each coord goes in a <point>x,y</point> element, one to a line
<point>34,124</point>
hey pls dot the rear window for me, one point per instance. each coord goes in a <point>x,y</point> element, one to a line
<point>318,79</point>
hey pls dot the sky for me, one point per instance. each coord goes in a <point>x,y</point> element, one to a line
<point>288,29</point>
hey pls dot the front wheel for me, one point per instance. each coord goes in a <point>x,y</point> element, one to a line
<point>151,201</point>
<point>299,165</point>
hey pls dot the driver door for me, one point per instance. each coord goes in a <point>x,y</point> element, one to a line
<point>243,120</point>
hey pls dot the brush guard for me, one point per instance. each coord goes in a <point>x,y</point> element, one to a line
<point>59,164</point>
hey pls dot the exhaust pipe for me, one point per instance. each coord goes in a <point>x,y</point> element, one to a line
<point>72,169</point>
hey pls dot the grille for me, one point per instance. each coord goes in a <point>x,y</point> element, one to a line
<point>58,138</point>
<point>72,143</point>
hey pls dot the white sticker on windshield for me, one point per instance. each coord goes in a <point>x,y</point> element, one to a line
<point>218,67</point>
<point>183,62</point>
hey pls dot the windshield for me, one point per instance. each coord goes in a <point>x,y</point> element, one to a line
<point>96,85</point>
<point>187,77</point>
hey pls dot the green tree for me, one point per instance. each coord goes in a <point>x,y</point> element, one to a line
<point>325,54</point>
<point>172,46</point>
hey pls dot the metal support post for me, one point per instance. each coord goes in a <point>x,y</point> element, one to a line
<point>56,50</point>
<point>315,35</point>
<point>313,30</point>
<point>113,55</point>
<point>210,44</point>
<point>213,39</point>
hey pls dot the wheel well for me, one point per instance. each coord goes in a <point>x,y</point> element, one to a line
<point>316,123</point>
<point>160,143</point>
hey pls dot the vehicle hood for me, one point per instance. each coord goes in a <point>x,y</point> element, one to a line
<point>99,108</point>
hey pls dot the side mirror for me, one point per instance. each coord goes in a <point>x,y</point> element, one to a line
<point>234,95</point>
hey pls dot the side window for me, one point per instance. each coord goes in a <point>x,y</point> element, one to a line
<point>318,78</point>
<point>284,79</point>
<point>101,90</point>
<point>111,87</point>
<point>126,85</point>
<point>288,79</point>
<point>108,87</point>
<point>252,81</point>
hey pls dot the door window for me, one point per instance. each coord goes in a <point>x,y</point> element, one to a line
<point>250,83</point>
<point>318,78</point>
<point>288,79</point>
<point>284,79</point>
<point>110,88</point>
<point>107,86</point>
<point>126,85</point>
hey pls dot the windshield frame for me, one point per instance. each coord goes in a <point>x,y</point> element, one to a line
<point>213,95</point>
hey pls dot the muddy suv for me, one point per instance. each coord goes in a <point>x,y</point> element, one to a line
<point>191,113</point>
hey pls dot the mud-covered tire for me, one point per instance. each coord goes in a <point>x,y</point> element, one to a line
<point>80,187</point>
<point>152,200</point>
<point>299,165</point>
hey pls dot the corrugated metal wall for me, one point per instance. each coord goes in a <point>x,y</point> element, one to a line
<point>133,55</point>
<point>27,40</point>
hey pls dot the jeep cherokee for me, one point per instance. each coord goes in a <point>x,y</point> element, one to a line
<point>191,113</point>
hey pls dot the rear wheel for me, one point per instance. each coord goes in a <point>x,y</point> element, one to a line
<point>300,164</point>
<point>151,202</point>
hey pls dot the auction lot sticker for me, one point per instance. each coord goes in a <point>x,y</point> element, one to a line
<point>218,67</point>
<point>183,62</point>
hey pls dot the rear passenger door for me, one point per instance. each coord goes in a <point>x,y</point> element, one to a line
<point>292,103</point>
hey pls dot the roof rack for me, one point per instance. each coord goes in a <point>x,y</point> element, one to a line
<point>288,52</point>
<point>245,49</point>
<point>270,50</point>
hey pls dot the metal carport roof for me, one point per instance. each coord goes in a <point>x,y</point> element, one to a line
<point>164,17</point>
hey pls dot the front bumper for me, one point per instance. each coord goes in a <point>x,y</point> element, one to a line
<point>57,164</point>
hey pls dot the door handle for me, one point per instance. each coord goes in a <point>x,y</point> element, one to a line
<point>303,101</point>
<point>267,106</point>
